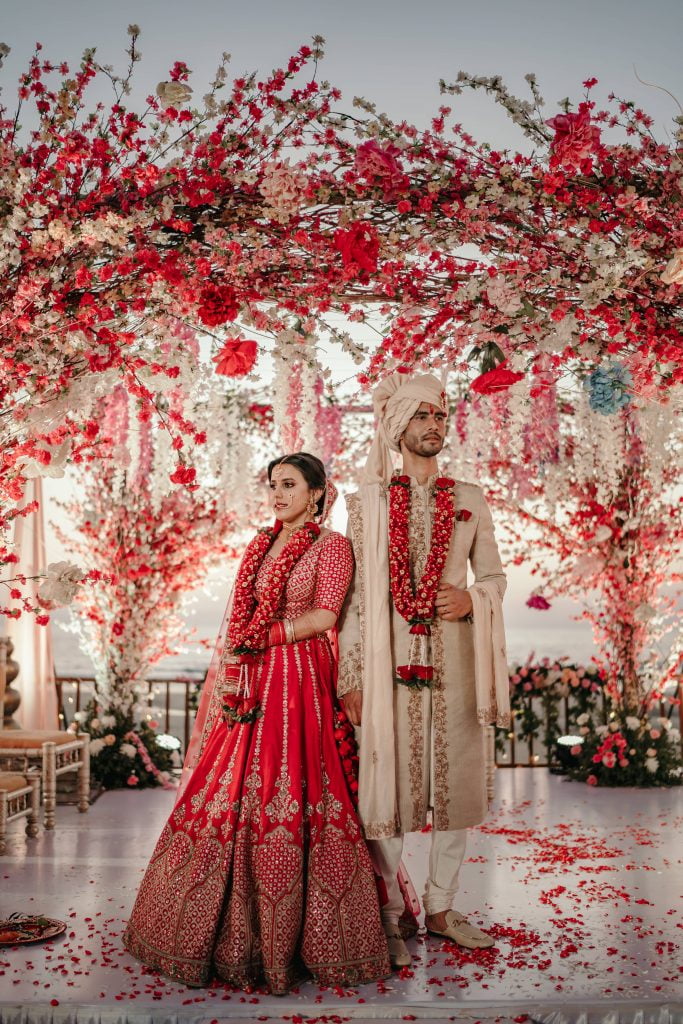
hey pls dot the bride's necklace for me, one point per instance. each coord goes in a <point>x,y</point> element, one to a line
<point>289,528</point>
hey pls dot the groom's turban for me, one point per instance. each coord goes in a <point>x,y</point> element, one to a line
<point>395,402</point>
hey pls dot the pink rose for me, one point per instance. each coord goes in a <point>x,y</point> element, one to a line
<point>609,759</point>
<point>576,750</point>
<point>379,166</point>
<point>623,762</point>
<point>575,138</point>
<point>132,780</point>
<point>592,780</point>
<point>655,734</point>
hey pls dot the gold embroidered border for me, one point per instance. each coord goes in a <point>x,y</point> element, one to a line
<point>353,506</point>
<point>350,675</point>
<point>491,716</point>
<point>440,729</point>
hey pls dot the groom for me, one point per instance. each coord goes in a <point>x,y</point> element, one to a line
<point>422,655</point>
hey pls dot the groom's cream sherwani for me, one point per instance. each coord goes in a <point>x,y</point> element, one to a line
<point>438,757</point>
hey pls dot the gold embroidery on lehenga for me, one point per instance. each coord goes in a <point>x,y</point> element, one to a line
<point>283,806</point>
<point>242,904</point>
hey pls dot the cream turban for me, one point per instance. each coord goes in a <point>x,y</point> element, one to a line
<point>395,401</point>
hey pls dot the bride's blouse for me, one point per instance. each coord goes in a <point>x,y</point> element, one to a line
<point>319,579</point>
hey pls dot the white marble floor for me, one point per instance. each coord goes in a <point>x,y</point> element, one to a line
<point>582,889</point>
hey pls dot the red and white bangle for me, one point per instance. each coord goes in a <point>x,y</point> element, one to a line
<point>276,633</point>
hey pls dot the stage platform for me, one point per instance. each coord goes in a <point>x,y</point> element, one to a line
<point>582,889</point>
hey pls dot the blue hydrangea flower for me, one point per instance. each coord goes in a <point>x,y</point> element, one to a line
<point>608,386</point>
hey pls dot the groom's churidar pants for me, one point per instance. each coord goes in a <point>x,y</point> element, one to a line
<point>446,854</point>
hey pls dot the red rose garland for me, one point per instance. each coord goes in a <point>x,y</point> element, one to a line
<point>250,619</point>
<point>418,606</point>
<point>347,749</point>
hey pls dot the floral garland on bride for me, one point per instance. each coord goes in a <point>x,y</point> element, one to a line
<point>250,618</point>
<point>417,605</point>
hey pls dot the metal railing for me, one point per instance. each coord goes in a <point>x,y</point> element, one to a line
<point>170,701</point>
<point>173,703</point>
<point>531,752</point>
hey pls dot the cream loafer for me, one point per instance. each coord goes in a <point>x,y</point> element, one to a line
<point>459,930</point>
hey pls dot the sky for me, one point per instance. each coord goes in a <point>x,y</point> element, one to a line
<point>393,52</point>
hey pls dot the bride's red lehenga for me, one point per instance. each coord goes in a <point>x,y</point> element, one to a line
<point>261,873</point>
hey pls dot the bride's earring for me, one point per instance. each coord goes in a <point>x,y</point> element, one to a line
<point>312,507</point>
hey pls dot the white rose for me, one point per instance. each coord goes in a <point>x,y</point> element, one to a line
<point>632,722</point>
<point>651,752</point>
<point>582,719</point>
<point>674,734</point>
<point>173,94</point>
<point>108,721</point>
<point>601,730</point>
<point>673,272</point>
<point>63,580</point>
<point>128,750</point>
<point>79,716</point>
<point>651,764</point>
<point>95,746</point>
<point>95,723</point>
<point>665,723</point>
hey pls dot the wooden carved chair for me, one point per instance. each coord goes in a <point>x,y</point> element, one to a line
<point>19,798</point>
<point>53,752</point>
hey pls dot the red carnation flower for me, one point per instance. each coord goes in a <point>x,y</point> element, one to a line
<point>359,248</point>
<point>236,358</point>
<point>218,304</point>
<point>184,475</point>
<point>495,380</point>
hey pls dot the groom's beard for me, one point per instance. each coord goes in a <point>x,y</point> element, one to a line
<point>425,448</point>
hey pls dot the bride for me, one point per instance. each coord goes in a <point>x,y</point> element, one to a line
<point>261,873</point>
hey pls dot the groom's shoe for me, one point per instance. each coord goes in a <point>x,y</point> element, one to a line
<point>455,926</point>
<point>398,951</point>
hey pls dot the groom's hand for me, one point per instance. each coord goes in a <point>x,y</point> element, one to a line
<point>353,703</point>
<point>452,603</point>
